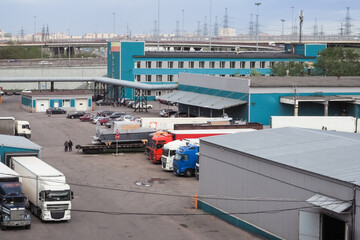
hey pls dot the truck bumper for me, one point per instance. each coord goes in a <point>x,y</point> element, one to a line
<point>59,215</point>
<point>16,223</point>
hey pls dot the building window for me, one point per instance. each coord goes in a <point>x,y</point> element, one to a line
<point>137,64</point>
<point>232,64</point>
<point>170,78</point>
<point>252,64</point>
<point>212,64</point>
<point>222,75</point>
<point>159,78</point>
<point>202,64</point>
<point>262,64</point>
<point>137,78</point>
<point>148,78</point>
<point>149,92</point>
<point>242,64</point>
<point>191,64</point>
<point>170,64</point>
<point>222,64</point>
<point>158,64</point>
<point>148,64</point>
<point>180,64</point>
<point>271,64</point>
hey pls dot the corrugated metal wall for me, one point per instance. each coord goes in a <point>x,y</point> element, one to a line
<point>228,174</point>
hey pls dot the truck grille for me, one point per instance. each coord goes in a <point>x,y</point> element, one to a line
<point>17,215</point>
<point>57,214</point>
<point>55,207</point>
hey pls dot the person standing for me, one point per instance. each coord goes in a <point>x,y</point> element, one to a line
<point>66,145</point>
<point>70,145</point>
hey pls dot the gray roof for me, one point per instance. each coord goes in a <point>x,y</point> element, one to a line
<point>328,153</point>
<point>202,100</point>
<point>18,142</point>
<point>306,81</point>
<point>232,55</point>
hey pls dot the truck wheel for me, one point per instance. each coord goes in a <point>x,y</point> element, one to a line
<point>2,226</point>
<point>189,172</point>
<point>28,226</point>
<point>72,117</point>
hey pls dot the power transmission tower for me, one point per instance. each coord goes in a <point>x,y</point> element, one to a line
<point>321,33</point>
<point>155,31</point>
<point>198,29</point>
<point>22,32</point>
<point>315,33</point>
<point>295,28</point>
<point>226,19</point>
<point>205,28</point>
<point>177,30</point>
<point>216,27</point>
<point>341,29</point>
<point>43,33</point>
<point>251,27</point>
<point>347,23</point>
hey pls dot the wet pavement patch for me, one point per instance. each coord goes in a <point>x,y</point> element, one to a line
<point>150,182</point>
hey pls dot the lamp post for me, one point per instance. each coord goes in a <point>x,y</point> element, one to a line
<point>69,51</point>
<point>257,25</point>
<point>210,23</point>
<point>282,28</point>
<point>183,20</point>
<point>113,23</point>
<point>34,28</point>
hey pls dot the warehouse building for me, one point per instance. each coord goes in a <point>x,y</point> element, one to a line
<point>256,99</point>
<point>286,183</point>
<point>15,146</point>
<point>129,61</point>
<point>68,100</point>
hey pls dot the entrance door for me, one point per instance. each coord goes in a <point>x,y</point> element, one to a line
<point>42,105</point>
<point>309,226</point>
<point>81,104</point>
<point>333,229</point>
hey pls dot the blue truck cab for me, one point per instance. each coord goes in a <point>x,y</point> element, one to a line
<point>12,201</point>
<point>185,160</point>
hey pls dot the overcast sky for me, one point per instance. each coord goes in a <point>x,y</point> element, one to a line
<point>96,16</point>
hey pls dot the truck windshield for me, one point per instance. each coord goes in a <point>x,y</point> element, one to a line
<point>13,200</point>
<point>166,152</point>
<point>152,143</point>
<point>181,157</point>
<point>57,196</point>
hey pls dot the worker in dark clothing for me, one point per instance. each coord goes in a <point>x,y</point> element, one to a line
<point>66,145</point>
<point>70,145</point>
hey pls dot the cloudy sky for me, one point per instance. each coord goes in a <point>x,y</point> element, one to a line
<point>96,16</point>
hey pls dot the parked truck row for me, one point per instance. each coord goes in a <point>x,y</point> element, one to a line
<point>28,182</point>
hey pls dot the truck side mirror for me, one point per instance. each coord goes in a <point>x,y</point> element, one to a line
<point>72,195</point>
<point>40,196</point>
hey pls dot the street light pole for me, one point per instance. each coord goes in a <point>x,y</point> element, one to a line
<point>114,23</point>
<point>257,25</point>
<point>210,23</point>
<point>69,51</point>
<point>183,20</point>
<point>34,28</point>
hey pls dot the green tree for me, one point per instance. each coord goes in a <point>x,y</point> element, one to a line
<point>293,68</point>
<point>338,61</point>
<point>255,73</point>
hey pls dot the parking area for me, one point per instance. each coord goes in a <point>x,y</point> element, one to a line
<point>116,196</point>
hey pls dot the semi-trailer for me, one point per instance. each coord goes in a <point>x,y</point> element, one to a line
<point>10,126</point>
<point>157,142</point>
<point>48,195</point>
<point>12,199</point>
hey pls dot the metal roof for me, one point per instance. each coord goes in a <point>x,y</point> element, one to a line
<point>17,142</point>
<point>305,81</point>
<point>232,55</point>
<point>110,81</point>
<point>329,203</point>
<point>320,99</point>
<point>328,153</point>
<point>201,100</point>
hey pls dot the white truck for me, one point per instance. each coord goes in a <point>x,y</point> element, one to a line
<point>332,123</point>
<point>10,126</point>
<point>169,151</point>
<point>48,195</point>
<point>168,123</point>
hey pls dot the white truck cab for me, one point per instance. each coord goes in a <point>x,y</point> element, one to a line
<point>169,151</point>
<point>22,128</point>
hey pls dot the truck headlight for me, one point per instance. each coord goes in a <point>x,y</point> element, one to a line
<point>6,218</point>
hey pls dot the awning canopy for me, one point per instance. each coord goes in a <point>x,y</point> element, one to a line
<point>319,99</point>
<point>329,203</point>
<point>202,100</point>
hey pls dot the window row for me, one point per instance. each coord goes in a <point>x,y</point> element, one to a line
<point>203,64</point>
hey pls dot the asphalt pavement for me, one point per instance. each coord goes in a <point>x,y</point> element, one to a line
<point>116,196</point>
